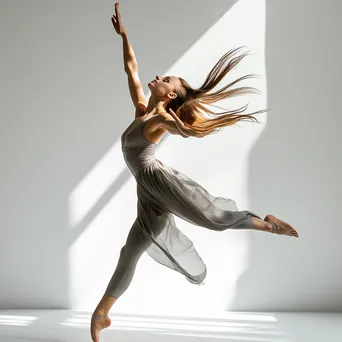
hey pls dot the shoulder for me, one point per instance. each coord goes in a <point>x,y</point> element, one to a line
<point>162,117</point>
<point>155,123</point>
<point>158,120</point>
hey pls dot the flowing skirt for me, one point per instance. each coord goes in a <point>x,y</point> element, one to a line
<point>162,193</point>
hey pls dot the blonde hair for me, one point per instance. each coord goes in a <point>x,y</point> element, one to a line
<point>189,101</point>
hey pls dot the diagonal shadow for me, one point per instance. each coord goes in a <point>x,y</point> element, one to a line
<point>116,185</point>
<point>185,13</point>
<point>74,104</point>
<point>167,31</point>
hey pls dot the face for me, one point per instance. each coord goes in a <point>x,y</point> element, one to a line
<point>165,86</point>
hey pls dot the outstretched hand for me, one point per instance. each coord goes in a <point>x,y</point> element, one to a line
<point>116,20</point>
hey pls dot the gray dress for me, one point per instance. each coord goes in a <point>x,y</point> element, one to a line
<point>163,192</point>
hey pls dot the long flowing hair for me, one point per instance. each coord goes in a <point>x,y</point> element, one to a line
<point>190,102</point>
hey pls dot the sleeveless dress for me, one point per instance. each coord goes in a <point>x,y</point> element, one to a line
<point>163,192</point>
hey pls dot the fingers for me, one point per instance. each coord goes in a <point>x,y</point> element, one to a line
<point>179,122</point>
<point>114,21</point>
<point>117,10</point>
<point>172,112</point>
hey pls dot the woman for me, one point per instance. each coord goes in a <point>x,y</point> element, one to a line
<point>162,191</point>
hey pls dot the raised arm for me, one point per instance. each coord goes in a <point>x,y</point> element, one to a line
<point>130,65</point>
<point>131,68</point>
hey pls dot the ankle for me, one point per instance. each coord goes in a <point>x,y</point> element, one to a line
<point>272,227</point>
<point>105,305</point>
<point>100,313</point>
<point>269,226</point>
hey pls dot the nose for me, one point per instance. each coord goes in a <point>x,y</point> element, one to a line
<point>157,78</point>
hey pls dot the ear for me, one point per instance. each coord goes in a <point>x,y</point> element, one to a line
<point>172,96</point>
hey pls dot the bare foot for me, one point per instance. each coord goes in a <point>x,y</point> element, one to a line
<point>281,227</point>
<point>98,322</point>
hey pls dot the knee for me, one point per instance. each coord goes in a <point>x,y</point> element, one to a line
<point>220,216</point>
<point>131,253</point>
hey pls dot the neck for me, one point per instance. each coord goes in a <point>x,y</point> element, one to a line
<point>155,107</point>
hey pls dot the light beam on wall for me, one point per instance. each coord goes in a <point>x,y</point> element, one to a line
<point>94,254</point>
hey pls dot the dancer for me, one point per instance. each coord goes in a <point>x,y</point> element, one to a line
<point>162,192</point>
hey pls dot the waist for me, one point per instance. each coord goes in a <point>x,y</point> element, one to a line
<point>137,160</point>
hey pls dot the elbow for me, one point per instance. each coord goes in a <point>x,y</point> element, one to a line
<point>131,68</point>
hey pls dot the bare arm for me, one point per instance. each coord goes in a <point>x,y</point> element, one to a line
<point>174,125</point>
<point>130,64</point>
<point>171,127</point>
<point>131,68</point>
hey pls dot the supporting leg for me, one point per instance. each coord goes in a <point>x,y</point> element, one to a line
<point>120,281</point>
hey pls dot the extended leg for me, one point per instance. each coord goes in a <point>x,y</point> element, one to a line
<point>190,201</point>
<point>273,225</point>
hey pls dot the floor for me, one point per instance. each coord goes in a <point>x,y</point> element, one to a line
<point>73,326</point>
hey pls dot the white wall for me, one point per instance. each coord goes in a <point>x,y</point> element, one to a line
<point>68,200</point>
<point>295,167</point>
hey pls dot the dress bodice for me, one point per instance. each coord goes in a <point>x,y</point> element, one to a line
<point>138,151</point>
